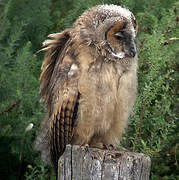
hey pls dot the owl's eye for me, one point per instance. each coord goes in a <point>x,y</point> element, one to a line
<point>119,35</point>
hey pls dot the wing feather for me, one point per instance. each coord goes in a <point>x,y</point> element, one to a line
<point>55,51</point>
<point>62,125</point>
<point>60,92</point>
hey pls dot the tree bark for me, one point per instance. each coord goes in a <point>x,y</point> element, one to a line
<point>82,163</point>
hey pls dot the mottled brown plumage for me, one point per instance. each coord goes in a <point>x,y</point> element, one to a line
<point>88,81</point>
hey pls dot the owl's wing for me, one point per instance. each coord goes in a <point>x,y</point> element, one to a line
<point>63,117</point>
<point>59,90</point>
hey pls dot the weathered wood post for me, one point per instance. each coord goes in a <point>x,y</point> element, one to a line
<point>80,163</point>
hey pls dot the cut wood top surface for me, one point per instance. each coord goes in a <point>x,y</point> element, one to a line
<point>82,163</point>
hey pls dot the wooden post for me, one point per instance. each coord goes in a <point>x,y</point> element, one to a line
<point>82,163</point>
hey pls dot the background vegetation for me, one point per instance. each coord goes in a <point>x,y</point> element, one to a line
<point>154,124</point>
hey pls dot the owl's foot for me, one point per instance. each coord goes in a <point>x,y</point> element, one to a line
<point>109,147</point>
<point>114,148</point>
<point>119,148</point>
<point>98,145</point>
<point>86,147</point>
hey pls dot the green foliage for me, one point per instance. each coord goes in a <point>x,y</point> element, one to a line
<point>154,122</point>
<point>39,172</point>
<point>24,26</point>
<point>154,127</point>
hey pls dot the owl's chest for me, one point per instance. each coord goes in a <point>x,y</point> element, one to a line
<point>98,87</point>
<point>100,80</point>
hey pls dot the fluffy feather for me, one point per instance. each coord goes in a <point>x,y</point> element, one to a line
<point>88,81</point>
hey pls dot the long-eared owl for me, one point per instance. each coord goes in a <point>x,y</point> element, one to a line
<point>88,81</point>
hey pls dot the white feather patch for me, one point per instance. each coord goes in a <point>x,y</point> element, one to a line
<point>73,69</point>
<point>117,9</point>
<point>119,55</point>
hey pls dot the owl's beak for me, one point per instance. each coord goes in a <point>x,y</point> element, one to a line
<point>133,51</point>
<point>130,48</point>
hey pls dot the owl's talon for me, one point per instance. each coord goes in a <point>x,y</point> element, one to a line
<point>109,147</point>
<point>86,147</point>
<point>105,146</point>
<point>98,145</point>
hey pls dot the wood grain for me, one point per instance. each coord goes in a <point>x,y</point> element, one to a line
<point>82,163</point>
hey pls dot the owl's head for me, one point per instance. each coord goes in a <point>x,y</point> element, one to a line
<point>110,29</point>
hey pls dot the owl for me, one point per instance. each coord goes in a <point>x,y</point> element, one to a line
<point>88,81</point>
